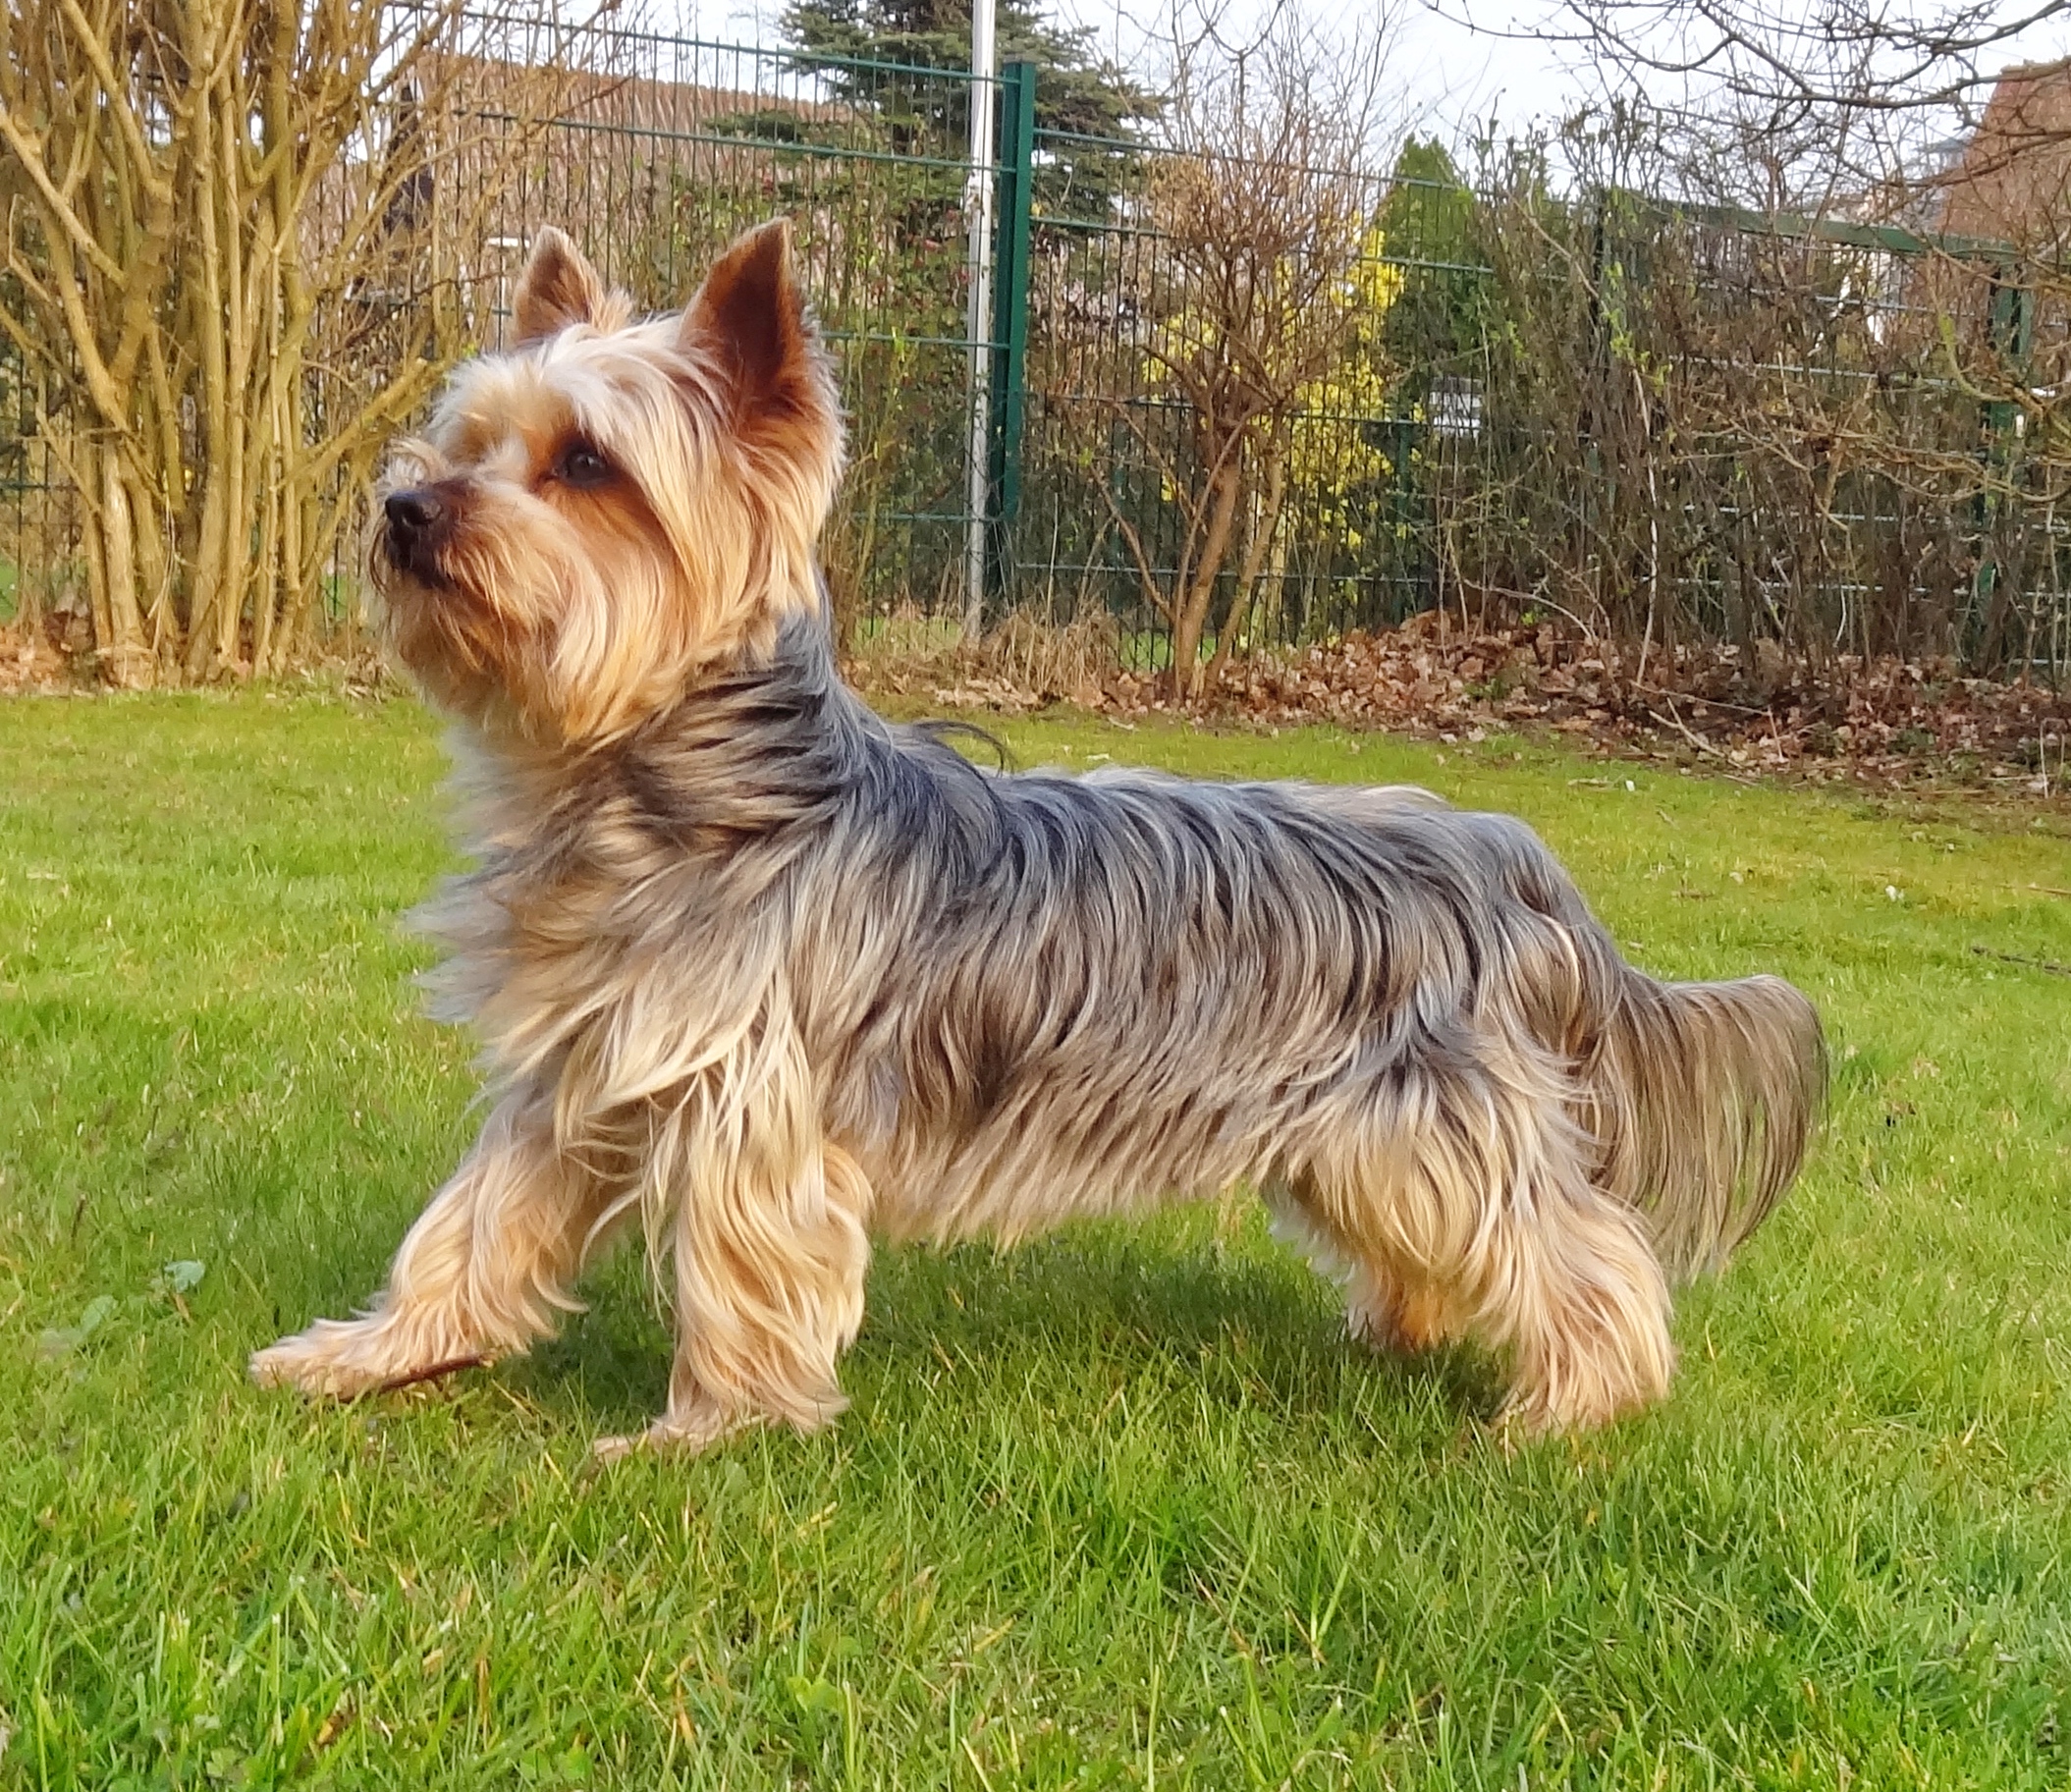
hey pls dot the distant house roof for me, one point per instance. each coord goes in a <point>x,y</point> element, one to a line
<point>625,102</point>
<point>2012,179</point>
<point>481,152</point>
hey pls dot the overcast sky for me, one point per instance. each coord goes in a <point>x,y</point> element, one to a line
<point>1459,62</point>
<point>1456,61</point>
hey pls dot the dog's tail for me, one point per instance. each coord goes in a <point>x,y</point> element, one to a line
<point>1702,1098</point>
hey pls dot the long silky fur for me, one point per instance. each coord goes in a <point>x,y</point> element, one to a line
<point>1025,997</point>
<point>1702,1097</point>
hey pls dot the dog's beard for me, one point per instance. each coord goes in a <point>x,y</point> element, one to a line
<point>469,648</point>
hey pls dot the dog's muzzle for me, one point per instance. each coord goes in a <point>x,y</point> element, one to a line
<point>419,522</point>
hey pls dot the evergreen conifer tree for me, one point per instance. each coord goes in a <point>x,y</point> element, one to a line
<point>1078,93</point>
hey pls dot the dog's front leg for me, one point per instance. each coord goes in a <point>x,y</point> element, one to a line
<point>766,1223</point>
<point>483,1273</point>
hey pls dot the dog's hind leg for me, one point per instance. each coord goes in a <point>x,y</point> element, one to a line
<point>1462,1204</point>
<point>1389,1303</point>
<point>483,1273</point>
<point>766,1222</point>
<point>1573,1286</point>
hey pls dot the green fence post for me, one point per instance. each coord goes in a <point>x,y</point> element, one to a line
<point>2010,329</point>
<point>1017,176</point>
<point>1588,425</point>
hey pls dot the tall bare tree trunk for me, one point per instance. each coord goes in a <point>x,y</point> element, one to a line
<point>123,652</point>
<point>1264,532</point>
<point>193,198</point>
<point>1190,616</point>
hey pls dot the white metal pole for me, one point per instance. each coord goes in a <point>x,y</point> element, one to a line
<point>978,205</point>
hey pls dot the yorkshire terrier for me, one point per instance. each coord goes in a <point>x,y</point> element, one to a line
<point>775,976</point>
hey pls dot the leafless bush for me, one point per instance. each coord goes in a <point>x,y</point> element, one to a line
<point>1258,224</point>
<point>229,282</point>
<point>1833,424</point>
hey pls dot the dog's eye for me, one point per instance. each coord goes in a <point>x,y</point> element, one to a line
<point>581,465</point>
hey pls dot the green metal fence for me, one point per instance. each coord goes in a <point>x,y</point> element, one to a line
<point>1792,428</point>
<point>40,574</point>
<point>1661,421</point>
<point>1561,405</point>
<point>677,143</point>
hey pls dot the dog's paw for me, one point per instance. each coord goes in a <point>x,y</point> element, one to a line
<point>342,1359</point>
<point>1408,1326</point>
<point>318,1362</point>
<point>1531,1415</point>
<point>676,1433</point>
<point>1517,1424</point>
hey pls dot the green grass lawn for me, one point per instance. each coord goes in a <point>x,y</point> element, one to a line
<point>1122,1508</point>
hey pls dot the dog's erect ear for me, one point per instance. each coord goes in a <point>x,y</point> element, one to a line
<point>558,287</point>
<point>749,312</point>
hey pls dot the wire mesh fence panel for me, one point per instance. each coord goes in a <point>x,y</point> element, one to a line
<point>41,573</point>
<point>1717,426</point>
<point>1657,421</point>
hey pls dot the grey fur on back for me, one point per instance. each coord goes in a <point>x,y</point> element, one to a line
<point>1023,996</point>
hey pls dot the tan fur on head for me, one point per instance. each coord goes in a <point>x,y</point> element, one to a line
<point>617,505</point>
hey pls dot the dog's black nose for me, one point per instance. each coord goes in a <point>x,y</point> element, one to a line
<point>414,513</point>
<point>420,521</point>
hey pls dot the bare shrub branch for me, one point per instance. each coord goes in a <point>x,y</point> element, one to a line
<point>217,297</point>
